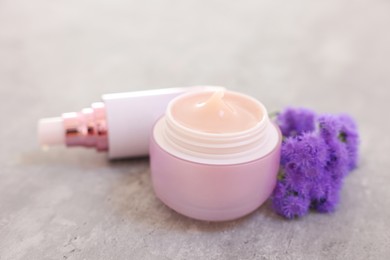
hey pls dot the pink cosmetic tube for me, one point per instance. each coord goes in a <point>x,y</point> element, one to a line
<point>210,174</point>
<point>120,125</point>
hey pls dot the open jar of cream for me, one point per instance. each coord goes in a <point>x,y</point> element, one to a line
<point>214,155</point>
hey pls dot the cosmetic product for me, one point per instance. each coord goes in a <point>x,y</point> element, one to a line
<point>120,124</point>
<point>214,155</point>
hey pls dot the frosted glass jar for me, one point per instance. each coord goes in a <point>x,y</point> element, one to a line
<point>214,175</point>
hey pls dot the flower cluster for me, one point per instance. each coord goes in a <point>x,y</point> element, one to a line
<point>318,151</point>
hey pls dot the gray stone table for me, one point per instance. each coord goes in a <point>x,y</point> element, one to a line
<point>58,56</point>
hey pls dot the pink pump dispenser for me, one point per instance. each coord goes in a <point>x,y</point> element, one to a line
<point>119,125</point>
<point>214,155</point>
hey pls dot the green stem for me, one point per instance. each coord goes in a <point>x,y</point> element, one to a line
<point>273,114</point>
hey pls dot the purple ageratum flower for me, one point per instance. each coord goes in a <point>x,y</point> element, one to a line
<point>295,121</point>
<point>319,188</point>
<point>313,161</point>
<point>280,190</point>
<point>278,194</point>
<point>329,201</point>
<point>338,161</point>
<point>303,162</point>
<point>350,136</point>
<point>288,203</point>
<point>304,155</point>
<point>330,128</point>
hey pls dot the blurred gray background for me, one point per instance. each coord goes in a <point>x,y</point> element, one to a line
<point>59,56</point>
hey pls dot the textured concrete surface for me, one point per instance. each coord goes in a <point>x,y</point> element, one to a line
<point>58,56</point>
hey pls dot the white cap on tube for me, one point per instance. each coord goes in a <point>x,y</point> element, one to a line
<point>51,131</point>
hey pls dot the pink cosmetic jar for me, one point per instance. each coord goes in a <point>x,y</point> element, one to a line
<point>214,155</point>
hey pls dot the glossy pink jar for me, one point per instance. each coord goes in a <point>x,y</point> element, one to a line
<point>214,176</point>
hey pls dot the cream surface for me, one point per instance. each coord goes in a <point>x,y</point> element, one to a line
<point>216,112</point>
